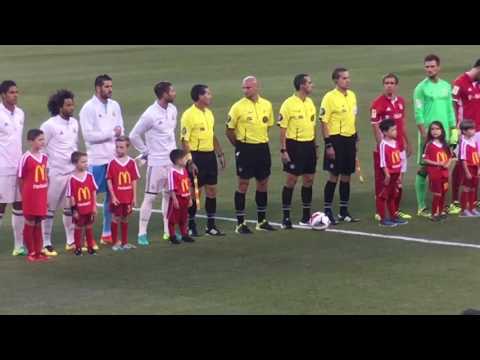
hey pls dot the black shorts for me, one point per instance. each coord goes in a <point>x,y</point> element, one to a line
<point>206,163</point>
<point>345,155</point>
<point>303,157</point>
<point>253,160</point>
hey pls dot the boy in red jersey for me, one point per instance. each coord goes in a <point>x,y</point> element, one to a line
<point>122,176</point>
<point>391,165</point>
<point>32,174</point>
<point>470,157</point>
<point>82,193</point>
<point>180,201</point>
<point>437,156</point>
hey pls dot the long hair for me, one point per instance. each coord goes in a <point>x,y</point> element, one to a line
<point>56,100</point>
<point>442,138</point>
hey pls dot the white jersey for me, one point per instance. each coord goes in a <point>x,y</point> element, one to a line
<point>158,126</point>
<point>61,140</point>
<point>11,130</point>
<point>98,121</point>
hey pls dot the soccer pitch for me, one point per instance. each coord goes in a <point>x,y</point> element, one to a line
<point>420,268</point>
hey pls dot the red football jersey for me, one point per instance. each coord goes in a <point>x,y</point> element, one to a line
<point>436,152</point>
<point>179,182</point>
<point>390,156</point>
<point>83,190</point>
<point>466,95</point>
<point>33,172</point>
<point>122,176</point>
<point>469,152</point>
<point>393,108</point>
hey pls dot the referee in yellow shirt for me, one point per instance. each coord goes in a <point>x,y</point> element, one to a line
<point>247,130</point>
<point>198,138</point>
<point>297,121</point>
<point>338,113</point>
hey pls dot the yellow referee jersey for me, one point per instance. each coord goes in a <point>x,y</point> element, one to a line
<point>299,118</point>
<point>339,112</point>
<point>251,120</point>
<point>197,128</point>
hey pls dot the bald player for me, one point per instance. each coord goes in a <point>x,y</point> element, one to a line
<point>249,120</point>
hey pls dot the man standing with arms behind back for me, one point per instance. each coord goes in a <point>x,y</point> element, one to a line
<point>433,102</point>
<point>102,122</point>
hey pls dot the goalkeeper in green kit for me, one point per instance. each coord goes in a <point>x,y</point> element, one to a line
<point>433,102</point>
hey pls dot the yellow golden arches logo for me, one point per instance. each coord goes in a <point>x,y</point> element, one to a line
<point>124,178</point>
<point>395,157</point>
<point>84,194</point>
<point>442,157</point>
<point>40,173</point>
<point>184,185</point>
<point>475,158</point>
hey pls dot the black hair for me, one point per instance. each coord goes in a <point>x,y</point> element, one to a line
<point>467,125</point>
<point>161,88</point>
<point>432,57</point>
<point>197,91</point>
<point>177,154</point>
<point>336,73</point>
<point>477,63</point>
<point>387,124</point>
<point>123,138</point>
<point>56,101</point>
<point>33,134</point>
<point>6,85</point>
<point>442,138</point>
<point>390,76</point>
<point>299,80</point>
<point>100,79</point>
<point>76,155</point>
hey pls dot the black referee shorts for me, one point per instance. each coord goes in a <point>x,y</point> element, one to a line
<point>253,160</point>
<point>303,157</point>
<point>206,162</point>
<point>345,155</point>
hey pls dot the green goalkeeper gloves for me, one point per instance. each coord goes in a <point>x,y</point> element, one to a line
<point>454,136</point>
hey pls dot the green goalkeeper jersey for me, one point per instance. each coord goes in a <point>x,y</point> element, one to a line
<point>433,102</point>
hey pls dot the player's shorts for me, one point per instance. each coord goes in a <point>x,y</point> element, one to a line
<point>57,189</point>
<point>473,182</point>
<point>253,160</point>
<point>156,179</point>
<point>345,155</point>
<point>99,173</point>
<point>9,189</point>
<point>121,210</point>
<point>391,190</point>
<point>84,220</point>
<point>438,183</point>
<point>206,163</point>
<point>34,218</point>
<point>303,156</point>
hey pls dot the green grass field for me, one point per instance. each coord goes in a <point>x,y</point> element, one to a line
<point>298,272</point>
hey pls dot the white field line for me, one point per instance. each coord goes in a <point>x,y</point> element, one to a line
<point>348,232</point>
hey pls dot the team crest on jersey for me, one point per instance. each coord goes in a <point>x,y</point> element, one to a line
<point>265,119</point>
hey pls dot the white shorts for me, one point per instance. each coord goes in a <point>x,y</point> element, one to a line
<point>9,189</point>
<point>57,189</point>
<point>403,157</point>
<point>157,179</point>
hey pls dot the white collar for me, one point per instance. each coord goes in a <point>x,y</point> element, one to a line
<point>120,163</point>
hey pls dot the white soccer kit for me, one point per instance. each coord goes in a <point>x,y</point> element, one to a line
<point>158,126</point>
<point>61,140</point>
<point>11,130</point>
<point>98,121</point>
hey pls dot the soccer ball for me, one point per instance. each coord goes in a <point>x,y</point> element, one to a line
<point>319,221</point>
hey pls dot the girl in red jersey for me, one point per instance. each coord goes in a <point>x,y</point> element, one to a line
<point>32,174</point>
<point>438,157</point>
<point>469,155</point>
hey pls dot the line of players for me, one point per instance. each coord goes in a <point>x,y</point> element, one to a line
<point>247,129</point>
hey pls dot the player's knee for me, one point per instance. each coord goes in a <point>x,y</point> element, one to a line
<point>211,191</point>
<point>345,178</point>
<point>243,185</point>
<point>262,185</point>
<point>308,180</point>
<point>291,181</point>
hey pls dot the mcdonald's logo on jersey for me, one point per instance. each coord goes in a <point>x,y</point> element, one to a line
<point>185,187</point>
<point>475,158</point>
<point>124,178</point>
<point>396,157</point>
<point>84,194</point>
<point>442,157</point>
<point>40,174</point>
